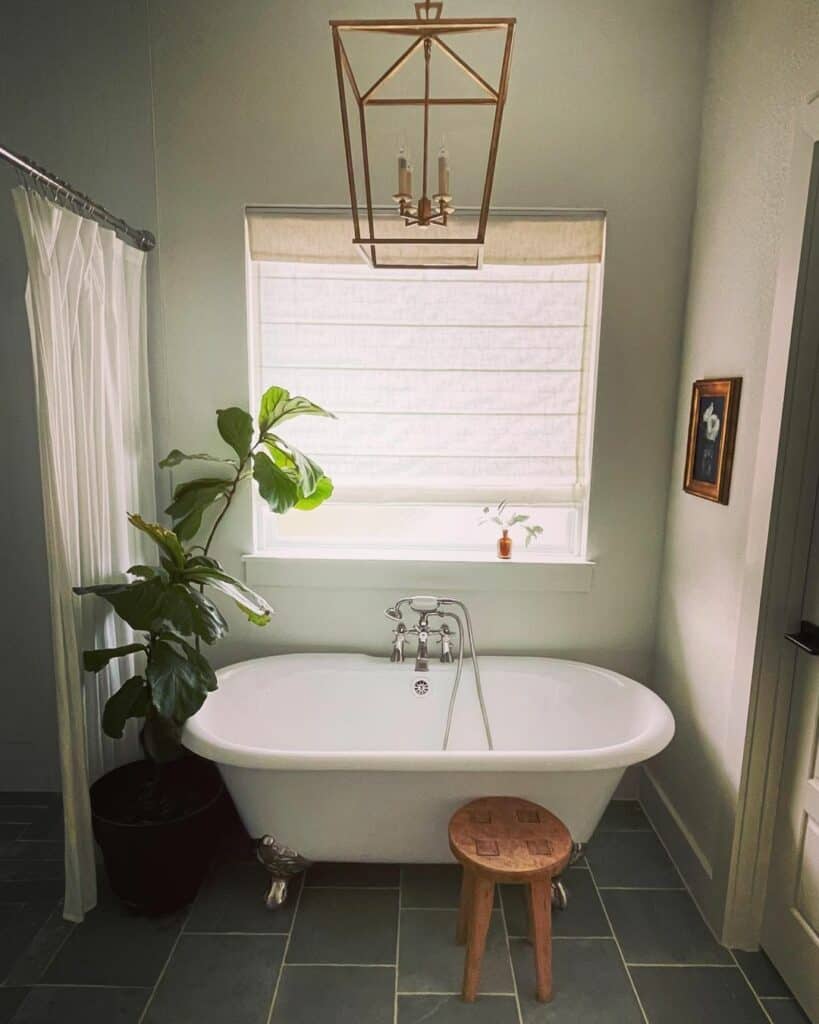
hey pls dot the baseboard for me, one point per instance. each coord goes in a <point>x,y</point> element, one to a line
<point>690,859</point>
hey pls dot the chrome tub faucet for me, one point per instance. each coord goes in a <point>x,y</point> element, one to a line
<point>423,631</point>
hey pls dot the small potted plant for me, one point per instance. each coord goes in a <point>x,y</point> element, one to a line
<point>506,519</point>
<point>156,820</point>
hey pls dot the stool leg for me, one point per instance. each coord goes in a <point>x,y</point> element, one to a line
<point>483,895</point>
<point>529,913</point>
<point>541,904</point>
<point>465,909</point>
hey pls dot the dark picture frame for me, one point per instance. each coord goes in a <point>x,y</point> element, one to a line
<point>712,430</point>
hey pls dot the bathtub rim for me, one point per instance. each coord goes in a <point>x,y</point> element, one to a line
<point>657,734</point>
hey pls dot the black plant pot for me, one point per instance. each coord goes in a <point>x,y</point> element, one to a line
<point>157,850</point>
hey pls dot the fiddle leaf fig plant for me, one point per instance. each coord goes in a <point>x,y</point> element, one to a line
<point>171,604</point>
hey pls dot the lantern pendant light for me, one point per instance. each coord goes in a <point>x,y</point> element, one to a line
<point>433,236</point>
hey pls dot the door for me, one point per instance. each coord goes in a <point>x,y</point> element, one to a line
<point>790,929</point>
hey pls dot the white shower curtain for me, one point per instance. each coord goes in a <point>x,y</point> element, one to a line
<point>86,310</point>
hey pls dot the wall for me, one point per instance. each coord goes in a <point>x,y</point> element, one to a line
<point>604,111</point>
<point>763,64</point>
<point>75,97</point>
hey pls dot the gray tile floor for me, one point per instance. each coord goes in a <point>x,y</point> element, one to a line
<point>368,944</point>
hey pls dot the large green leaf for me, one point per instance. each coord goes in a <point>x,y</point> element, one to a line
<point>254,606</point>
<point>191,500</point>
<point>277,406</point>
<point>296,463</point>
<point>276,485</point>
<point>178,686</point>
<point>269,407</point>
<point>146,572</point>
<point>166,539</point>
<point>130,701</point>
<point>154,605</point>
<point>93,661</point>
<point>195,494</point>
<point>324,488</point>
<point>236,427</point>
<point>198,660</point>
<point>176,457</point>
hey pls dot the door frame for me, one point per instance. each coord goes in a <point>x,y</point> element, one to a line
<point>779,527</point>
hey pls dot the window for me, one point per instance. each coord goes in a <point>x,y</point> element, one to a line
<point>453,389</point>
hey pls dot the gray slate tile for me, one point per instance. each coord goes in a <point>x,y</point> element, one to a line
<point>82,1006</point>
<point>661,927</point>
<point>29,968</point>
<point>19,924</point>
<point>431,885</point>
<point>21,849</point>
<point>341,995</point>
<point>633,859</point>
<point>24,797</point>
<point>354,875</point>
<point>765,979</point>
<point>232,900</point>
<point>583,918</point>
<point>453,1010</point>
<point>785,1011</point>
<point>216,979</point>
<point>31,870</point>
<point>47,891</point>
<point>589,986</point>
<point>10,830</point>
<point>10,999</point>
<point>113,947</point>
<point>345,926</point>
<point>430,961</point>
<point>682,995</point>
<point>623,816</point>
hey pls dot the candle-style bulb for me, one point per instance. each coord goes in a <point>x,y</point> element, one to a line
<point>404,173</point>
<point>443,170</point>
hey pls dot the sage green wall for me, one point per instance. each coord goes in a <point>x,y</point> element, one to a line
<point>75,95</point>
<point>604,111</point>
<point>763,65</point>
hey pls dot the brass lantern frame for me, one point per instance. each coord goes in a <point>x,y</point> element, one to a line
<point>426,29</point>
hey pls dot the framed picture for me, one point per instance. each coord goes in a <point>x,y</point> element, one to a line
<point>712,429</point>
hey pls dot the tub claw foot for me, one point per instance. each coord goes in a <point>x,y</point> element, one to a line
<point>560,895</point>
<point>578,851</point>
<point>283,864</point>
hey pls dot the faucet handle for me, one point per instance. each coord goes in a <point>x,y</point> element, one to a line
<point>446,641</point>
<point>399,638</point>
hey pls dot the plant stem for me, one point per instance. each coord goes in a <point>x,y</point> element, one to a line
<point>230,495</point>
<point>228,499</point>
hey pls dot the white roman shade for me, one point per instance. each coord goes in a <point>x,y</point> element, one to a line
<point>561,238</point>
<point>453,389</point>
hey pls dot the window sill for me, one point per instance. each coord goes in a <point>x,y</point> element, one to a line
<point>351,569</point>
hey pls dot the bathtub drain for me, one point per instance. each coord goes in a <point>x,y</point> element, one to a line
<point>421,687</point>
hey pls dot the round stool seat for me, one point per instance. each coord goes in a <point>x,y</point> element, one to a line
<point>510,839</point>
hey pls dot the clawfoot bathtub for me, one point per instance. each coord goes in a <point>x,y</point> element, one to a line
<point>339,755</point>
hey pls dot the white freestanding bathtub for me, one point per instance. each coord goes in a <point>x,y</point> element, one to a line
<point>339,755</point>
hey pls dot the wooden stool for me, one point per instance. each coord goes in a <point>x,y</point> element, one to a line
<point>506,839</point>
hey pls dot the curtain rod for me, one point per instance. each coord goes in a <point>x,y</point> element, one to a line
<point>67,194</point>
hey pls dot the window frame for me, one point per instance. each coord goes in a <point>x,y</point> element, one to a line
<point>573,571</point>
